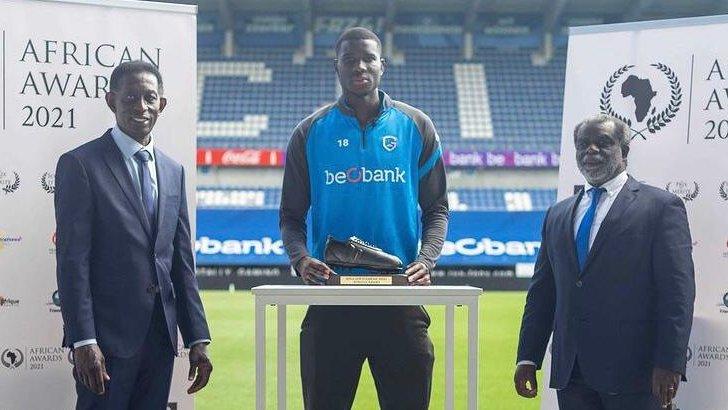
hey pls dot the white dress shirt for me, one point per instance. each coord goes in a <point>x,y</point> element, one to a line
<point>128,147</point>
<point>612,187</point>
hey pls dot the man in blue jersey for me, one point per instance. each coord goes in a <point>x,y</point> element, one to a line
<point>362,166</point>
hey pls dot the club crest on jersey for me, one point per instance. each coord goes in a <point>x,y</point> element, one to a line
<point>389,142</point>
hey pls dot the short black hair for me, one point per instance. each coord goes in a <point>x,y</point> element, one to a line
<point>133,67</point>
<point>621,129</point>
<point>357,33</point>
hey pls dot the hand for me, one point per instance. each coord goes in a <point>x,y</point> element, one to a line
<point>525,380</point>
<point>418,274</point>
<point>90,368</point>
<point>664,385</point>
<point>313,271</point>
<point>201,364</point>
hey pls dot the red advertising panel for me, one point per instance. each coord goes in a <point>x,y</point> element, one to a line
<point>221,157</point>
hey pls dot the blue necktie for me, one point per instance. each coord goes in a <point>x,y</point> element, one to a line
<point>142,157</point>
<point>582,235</point>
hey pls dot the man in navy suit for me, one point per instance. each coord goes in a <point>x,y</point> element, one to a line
<point>614,282</point>
<point>125,269</point>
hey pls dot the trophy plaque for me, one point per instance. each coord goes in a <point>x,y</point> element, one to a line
<point>382,269</point>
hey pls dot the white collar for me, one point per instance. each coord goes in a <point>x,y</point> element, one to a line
<point>613,186</point>
<point>128,145</point>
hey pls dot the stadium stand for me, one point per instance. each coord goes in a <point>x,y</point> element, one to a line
<point>527,99</point>
<point>499,101</point>
<point>460,199</point>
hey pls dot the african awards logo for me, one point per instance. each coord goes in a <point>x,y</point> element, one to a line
<point>48,182</point>
<point>9,182</point>
<point>707,355</point>
<point>12,358</point>
<point>650,110</point>
<point>723,190</point>
<point>687,191</point>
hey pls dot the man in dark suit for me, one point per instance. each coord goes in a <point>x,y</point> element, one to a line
<point>125,269</point>
<point>614,282</point>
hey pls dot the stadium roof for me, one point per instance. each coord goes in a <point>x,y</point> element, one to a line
<point>626,10</point>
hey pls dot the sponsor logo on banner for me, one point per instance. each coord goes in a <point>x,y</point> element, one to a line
<point>54,305</point>
<point>723,304</point>
<point>389,142</point>
<point>48,182</point>
<point>6,302</point>
<point>474,272</point>
<point>355,175</point>
<point>723,190</point>
<point>263,246</point>
<point>12,358</point>
<point>9,240</point>
<point>688,191</point>
<point>501,159</point>
<point>490,247</point>
<point>172,406</point>
<point>240,271</point>
<point>240,157</point>
<point>52,249</point>
<point>645,117</point>
<point>182,351</point>
<point>9,182</point>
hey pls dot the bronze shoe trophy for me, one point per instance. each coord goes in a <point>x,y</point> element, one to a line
<point>382,268</point>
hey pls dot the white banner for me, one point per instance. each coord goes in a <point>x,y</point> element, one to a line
<point>56,59</point>
<point>668,80</point>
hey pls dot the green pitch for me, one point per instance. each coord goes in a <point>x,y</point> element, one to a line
<point>232,386</point>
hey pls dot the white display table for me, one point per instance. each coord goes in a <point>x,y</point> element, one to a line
<point>450,296</point>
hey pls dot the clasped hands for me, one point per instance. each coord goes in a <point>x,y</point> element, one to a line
<point>315,272</point>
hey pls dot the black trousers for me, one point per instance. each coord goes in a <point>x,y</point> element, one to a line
<point>138,382</point>
<point>579,396</point>
<point>335,341</point>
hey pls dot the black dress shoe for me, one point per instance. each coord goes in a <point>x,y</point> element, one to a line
<point>355,253</point>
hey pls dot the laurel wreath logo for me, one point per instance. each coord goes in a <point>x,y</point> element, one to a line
<point>5,358</point>
<point>723,190</point>
<point>46,184</point>
<point>605,102</point>
<point>12,187</point>
<point>656,121</point>
<point>687,196</point>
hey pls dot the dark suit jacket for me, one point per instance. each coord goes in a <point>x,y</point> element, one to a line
<point>631,308</point>
<point>109,259</point>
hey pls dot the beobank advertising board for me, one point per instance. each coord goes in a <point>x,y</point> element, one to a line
<point>252,237</point>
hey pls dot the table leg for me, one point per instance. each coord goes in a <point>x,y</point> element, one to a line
<point>473,355</point>
<point>449,357</point>
<point>281,357</point>
<point>259,354</point>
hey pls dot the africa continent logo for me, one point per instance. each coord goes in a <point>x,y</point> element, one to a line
<point>11,358</point>
<point>650,104</point>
